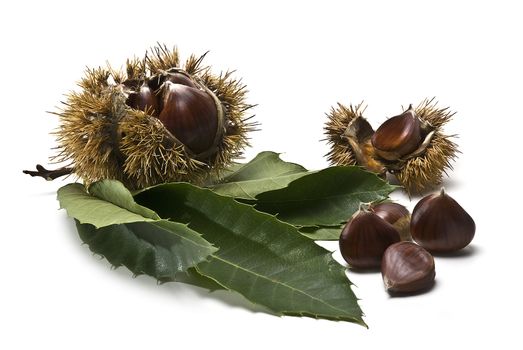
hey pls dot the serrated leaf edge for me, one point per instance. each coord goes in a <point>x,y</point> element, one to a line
<point>356,320</point>
<point>327,253</point>
<point>160,279</point>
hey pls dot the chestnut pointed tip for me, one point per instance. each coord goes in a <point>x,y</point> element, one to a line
<point>440,224</point>
<point>364,207</point>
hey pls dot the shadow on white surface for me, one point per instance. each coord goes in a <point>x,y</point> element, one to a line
<point>449,183</point>
<point>468,251</point>
<point>375,270</point>
<point>174,289</point>
<point>413,294</point>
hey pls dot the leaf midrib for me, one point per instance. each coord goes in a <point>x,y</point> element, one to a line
<point>260,159</point>
<point>89,209</point>
<point>271,178</point>
<point>156,223</point>
<point>282,284</point>
<point>320,198</point>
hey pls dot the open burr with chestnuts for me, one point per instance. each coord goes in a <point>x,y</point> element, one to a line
<point>411,145</point>
<point>155,122</point>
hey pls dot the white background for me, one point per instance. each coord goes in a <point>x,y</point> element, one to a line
<point>298,59</point>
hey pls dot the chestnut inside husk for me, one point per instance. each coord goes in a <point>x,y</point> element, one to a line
<point>410,146</point>
<point>189,111</point>
<point>156,121</point>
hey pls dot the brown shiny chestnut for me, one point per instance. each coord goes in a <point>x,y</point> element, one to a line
<point>364,239</point>
<point>190,114</point>
<point>398,136</point>
<point>145,100</point>
<point>180,78</point>
<point>440,224</point>
<point>396,215</point>
<point>407,268</point>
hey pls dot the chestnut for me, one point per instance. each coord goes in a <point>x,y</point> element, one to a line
<point>398,136</point>
<point>407,268</point>
<point>364,239</point>
<point>145,100</point>
<point>190,114</point>
<point>440,224</point>
<point>396,215</point>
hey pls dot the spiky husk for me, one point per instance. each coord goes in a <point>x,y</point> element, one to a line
<point>422,173</point>
<point>341,152</point>
<point>101,137</point>
<point>349,134</point>
<point>429,111</point>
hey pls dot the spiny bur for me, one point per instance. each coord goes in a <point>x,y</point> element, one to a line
<point>157,121</point>
<point>411,146</point>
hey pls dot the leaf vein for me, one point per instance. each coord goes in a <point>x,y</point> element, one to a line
<point>276,282</point>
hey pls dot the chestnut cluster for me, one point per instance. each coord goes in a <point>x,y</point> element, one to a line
<point>410,146</point>
<point>379,236</point>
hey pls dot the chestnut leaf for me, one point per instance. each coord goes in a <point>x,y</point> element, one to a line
<point>322,233</point>
<point>158,249</point>
<point>265,172</point>
<point>262,258</point>
<point>125,233</point>
<point>325,198</point>
<point>107,202</point>
<point>317,202</point>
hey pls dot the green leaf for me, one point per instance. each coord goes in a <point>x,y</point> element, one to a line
<point>317,202</point>
<point>260,257</point>
<point>266,164</point>
<point>325,198</point>
<point>157,247</point>
<point>322,233</point>
<point>195,278</point>
<point>108,203</point>
<point>264,173</point>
